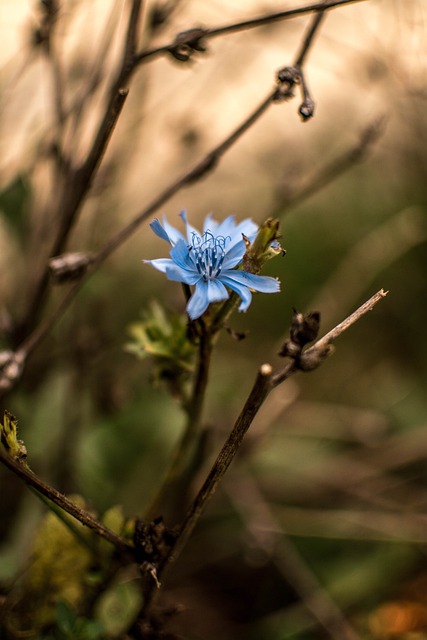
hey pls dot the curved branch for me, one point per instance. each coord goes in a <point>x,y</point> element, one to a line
<point>30,478</point>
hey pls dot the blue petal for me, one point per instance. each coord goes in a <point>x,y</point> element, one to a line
<point>204,294</point>
<point>210,224</point>
<point>247,227</point>
<point>161,264</point>
<point>178,274</point>
<point>216,291</point>
<point>199,301</point>
<point>183,256</point>
<point>224,228</point>
<point>173,234</point>
<point>159,231</point>
<point>227,229</point>
<point>264,284</point>
<point>241,290</point>
<point>234,255</point>
<point>174,271</point>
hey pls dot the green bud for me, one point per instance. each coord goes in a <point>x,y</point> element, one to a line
<point>264,247</point>
<point>9,437</point>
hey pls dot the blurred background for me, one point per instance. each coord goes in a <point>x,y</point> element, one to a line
<point>331,485</point>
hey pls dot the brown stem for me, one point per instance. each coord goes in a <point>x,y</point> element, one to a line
<point>143,56</point>
<point>308,40</point>
<point>78,180</point>
<point>257,396</point>
<point>265,382</point>
<point>186,447</point>
<point>30,478</point>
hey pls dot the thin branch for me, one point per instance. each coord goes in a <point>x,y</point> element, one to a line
<point>256,398</point>
<point>210,161</point>
<point>94,76</point>
<point>131,40</point>
<point>281,15</point>
<point>79,180</point>
<point>242,26</point>
<point>315,354</point>
<point>334,333</point>
<point>30,478</point>
<point>186,448</point>
<point>308,40</point>
<point>265,382</point>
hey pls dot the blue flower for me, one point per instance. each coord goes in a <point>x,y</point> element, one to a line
<point>208,261</point>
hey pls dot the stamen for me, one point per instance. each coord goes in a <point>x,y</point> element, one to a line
<point>209,253</point>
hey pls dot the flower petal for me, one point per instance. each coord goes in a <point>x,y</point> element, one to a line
<point>204,294</point>
<point>264,284</point>
<point>160,263</point>
<point>247,227</point>
<point>178,274</point>
<point>173,271</point>
<point>159,231</point>
<point>241,290</point>
<point>234,255</point>
<point>210,225</point>
<point>216,291</point>
<point>227,227</point>
<point>173,234</point>
<point>199,301</point>
<point>183,257</point>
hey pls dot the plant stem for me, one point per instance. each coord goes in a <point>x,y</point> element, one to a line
<point>83,516</point>
<point>259,393</point>
<point>187,445</point>
<point>266,381</point>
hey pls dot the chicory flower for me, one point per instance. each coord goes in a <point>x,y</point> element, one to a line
<point>208,261</point>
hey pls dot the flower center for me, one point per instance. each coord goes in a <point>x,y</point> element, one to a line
<point>209,252</point>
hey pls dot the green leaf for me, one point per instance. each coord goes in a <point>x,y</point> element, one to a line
<point>65,618</point>
<point>118,606</point>
<point>162,336</point>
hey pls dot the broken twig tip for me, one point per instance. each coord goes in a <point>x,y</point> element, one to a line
<point>266,369</point>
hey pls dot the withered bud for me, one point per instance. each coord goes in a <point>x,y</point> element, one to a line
<point>152,540</point>
<point>306,109</point>
<point>305,328</point>
<point>287,78</point>
<point>188,42</point>
<point>314,357</point>
<point>237,335</point>
<point>290,349</point>
<point>288,75</point>
<point>69,266</point>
